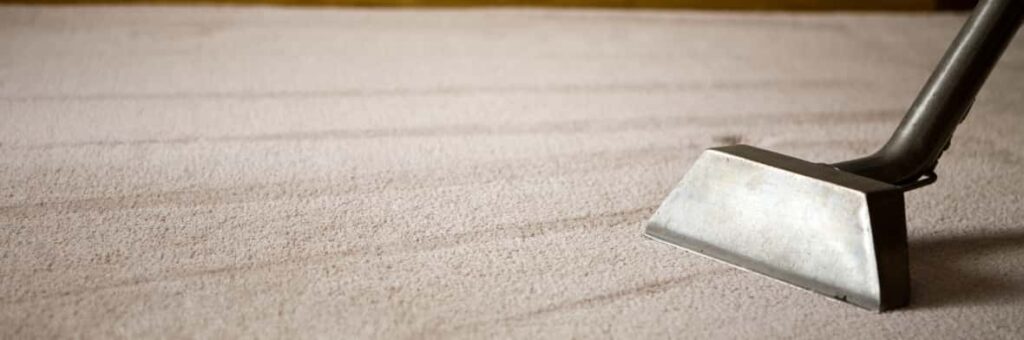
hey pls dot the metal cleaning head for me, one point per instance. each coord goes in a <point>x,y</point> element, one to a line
<point>807,224</point>
<point>835,229</point>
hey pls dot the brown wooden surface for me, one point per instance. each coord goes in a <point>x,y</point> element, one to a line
<point>693,4</point>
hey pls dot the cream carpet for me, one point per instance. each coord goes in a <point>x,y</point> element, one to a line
<point>389,174</point>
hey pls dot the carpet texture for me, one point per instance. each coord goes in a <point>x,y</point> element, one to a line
<point>386,174</point>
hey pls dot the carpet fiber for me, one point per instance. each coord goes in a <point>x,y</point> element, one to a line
<point>297,173</point>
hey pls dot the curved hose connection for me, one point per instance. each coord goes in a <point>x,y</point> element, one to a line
<point>914,149</point>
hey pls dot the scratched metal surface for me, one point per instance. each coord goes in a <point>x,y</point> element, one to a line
<point>233,172</point>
